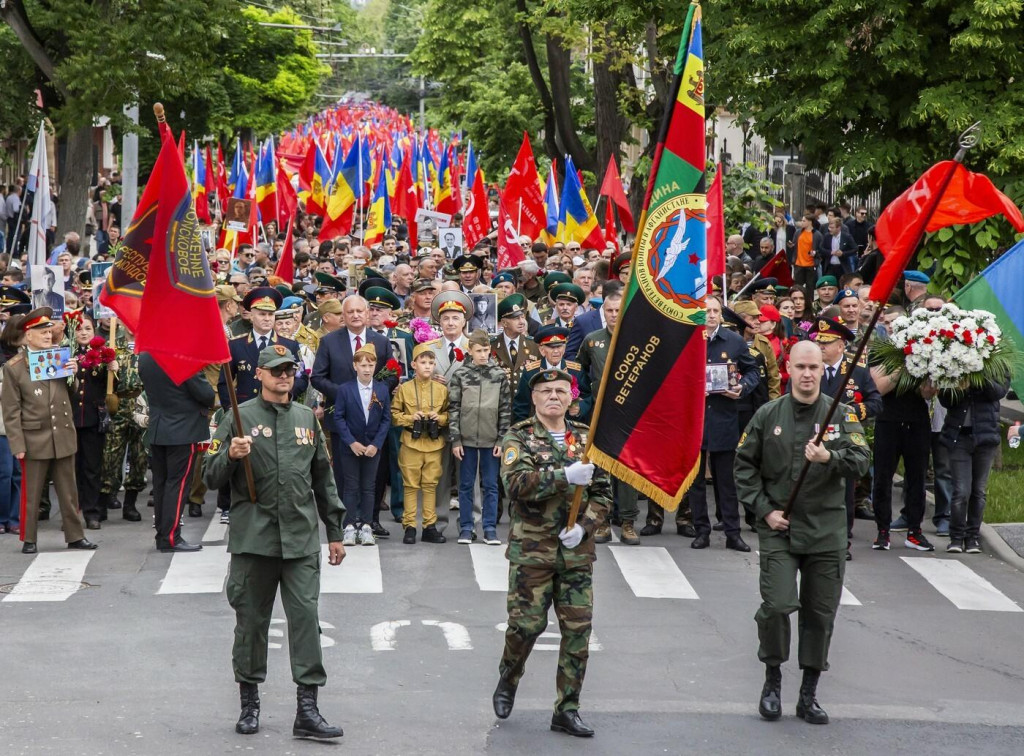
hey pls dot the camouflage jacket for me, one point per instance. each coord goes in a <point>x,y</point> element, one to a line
<point>479,405</point>
<point>532,470</point>
<point>128,378</point>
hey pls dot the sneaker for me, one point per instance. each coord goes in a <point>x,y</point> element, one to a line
<point>466,537</point>
<point>942,529</point>
<point>899,524</point>
<point>366,536</point>
<point>972,545</point>
<point>916,540</point>
<point>453,504</point>
<point>882,541</point>
<point>956,546</point>
<point>349,536</point>
<point>491,538</point>
<point>410,536</point>
<point>225,517</point>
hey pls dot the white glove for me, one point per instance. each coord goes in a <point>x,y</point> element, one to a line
<point>571,538</point>
<point>579,473</point>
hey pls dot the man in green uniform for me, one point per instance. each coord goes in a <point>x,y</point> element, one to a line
<point>540,468</point>
<point>812,540</point>
<point>275,540</point>
<point>125,435</point>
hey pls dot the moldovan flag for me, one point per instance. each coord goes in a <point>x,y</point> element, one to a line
<point>649,417</point>
<point>378,221</point>
<point>576,220</point>
<point>160,283</point>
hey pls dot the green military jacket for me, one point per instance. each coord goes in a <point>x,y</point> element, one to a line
<point>593,354</point>
<point>769,458</point>
<point>294,481</point>
<point>532,470</point>
<point>128,378</point>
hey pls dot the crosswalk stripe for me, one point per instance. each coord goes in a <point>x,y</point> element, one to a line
<point>359,573</point>
<point>848,599</point>
<point>490,567</point>
<point>651,572</point>
<point>197,572</point>
<point>216,531</point>
<point>965,588</point>
<point>51,577</point>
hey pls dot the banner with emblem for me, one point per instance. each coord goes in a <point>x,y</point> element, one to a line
<point>649,416</point>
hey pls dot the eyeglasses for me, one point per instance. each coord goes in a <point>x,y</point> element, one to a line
<point>283,371</point>
<point>248,254</point>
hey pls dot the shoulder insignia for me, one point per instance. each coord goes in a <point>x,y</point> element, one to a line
<point>243,337</point>
<point>533,364</point>
<point>522,424</point>
<point>16,359</point>
<point>573,365</point>
<point>432,342</point>
<point>577,424</point>
<point>214,447</point>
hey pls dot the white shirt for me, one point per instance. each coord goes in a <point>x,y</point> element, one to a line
<point>13,203</point>
<point>257,336</point>
<point>509,342</point>
<point>834,368</point>
<point>835,248</point>
<point>780,238</point>
<point>352,340</point>
<point>604,323</point>
<point>365,395</point>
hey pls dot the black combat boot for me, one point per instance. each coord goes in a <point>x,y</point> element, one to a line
<point>807,706</point>
<point>249,719</point>
<point>129,512</point>
<point>308,722</point>
<point>770,707</point>
<point>504,698</point>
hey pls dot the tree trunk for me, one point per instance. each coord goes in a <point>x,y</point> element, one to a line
<point>561,98</point>
<point>608,122</point>
<point>74,184</point>
<point>537,76</point>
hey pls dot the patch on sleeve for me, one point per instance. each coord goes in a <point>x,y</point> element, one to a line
<point>214,447</point>
<point>858,439</point>
<point>851,418</point>
<point>742,439</point>
<point>511,455</point>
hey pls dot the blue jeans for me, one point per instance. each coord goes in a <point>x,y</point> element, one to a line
<point>970,465</point>
<point>482,457</point>
<point>943,479</point>
<point>10,485</point>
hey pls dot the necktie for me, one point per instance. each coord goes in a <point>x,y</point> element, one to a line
<point>359,343</point>
<point>831,374</point>
<point>451,352</point>
<point>263,343</point>
<point>512,351</point>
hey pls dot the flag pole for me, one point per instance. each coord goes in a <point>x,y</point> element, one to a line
<point>967,140</point>
<point>21,213</point>
<point>666,118</point>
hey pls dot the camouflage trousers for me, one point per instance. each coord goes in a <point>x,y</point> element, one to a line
<point>531,590</point>
<point>124,437</point>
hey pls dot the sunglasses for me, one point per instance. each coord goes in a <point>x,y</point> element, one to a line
<point>283,371</point>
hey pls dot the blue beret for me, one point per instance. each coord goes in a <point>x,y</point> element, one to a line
<point>844,293</point>
<point>916,276</point>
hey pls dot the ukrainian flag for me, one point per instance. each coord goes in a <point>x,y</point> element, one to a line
<point>576,221</point>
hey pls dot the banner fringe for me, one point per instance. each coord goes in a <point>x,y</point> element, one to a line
<point>669,502</point>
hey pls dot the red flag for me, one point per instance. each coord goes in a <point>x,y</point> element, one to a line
<point>510,253</point>
<point>181,146</point>
<point>177,320</point>
<point>285,269</point>
<point>222,178</point>
<point>946,194</point>
<point>611,188</point>
<point>610,234</point>
<point>287,199</point>
<point>716,227</point>
<point>523,194</point>
<point>777,268</point>
<point>407,201</point>
<point>476,223</point>
<point>307,168</point>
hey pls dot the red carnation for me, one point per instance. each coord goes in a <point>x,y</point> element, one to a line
<point>96,342</point>
<point>926,340</point>
<point>908,349</point>
<point>459,355</point>
<point>956,326</point>
<point>395,366</point>
<point>858,397</point>
<point>991,339</point>
<point>390,323</point>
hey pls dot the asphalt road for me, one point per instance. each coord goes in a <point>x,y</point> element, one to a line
<point>926,655</point>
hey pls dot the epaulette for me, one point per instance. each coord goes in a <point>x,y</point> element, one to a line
<point>573,365</point>
<point>577,424</point>
<point>19,357</point>
<point>534,364</point>
<point>522,424</point>
<point>432,342</point>
<point>403,330</point>
<point>236,338</point>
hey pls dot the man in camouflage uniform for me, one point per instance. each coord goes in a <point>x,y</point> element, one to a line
<point>125,435</point>
<point>540,467</point>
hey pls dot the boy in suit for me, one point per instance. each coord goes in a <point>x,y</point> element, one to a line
<point>362,414</point>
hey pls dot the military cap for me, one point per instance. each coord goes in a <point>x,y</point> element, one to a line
<point>555,277</point>
<point>327,281</point>
<point>551,335</point>
<point>746,308</point>
<point>844,293</point>
<point>764,283</point>
<point>567,291</point>
<point>382,299</point>
<point>424,348</point>
<point>38,318</point>
<point>329,306</point>
<point>733,319</point>
<point>512,306</point>
<point>916,276</point>
<point>10,295</point>
<point>263,298</point>
<point>827,329</point>
<point>309,292</point>
<point>450,301</point>
<point>21,308</point>
<point>781,291</point>
<point>372,273</point>
<point>376,281</point>
<point>291,302</point>
<point>422,284</point>
<point>85,277</point>
<point>550,376</point>
<point>366,349</point>
<point>504,276</point>
<point>226,293</point>
<point>623,259</point>
<point>275,355</point>
<point>826,281</point>
<point>284,289</point>
<point>467,263</point>
<point>479,337</point>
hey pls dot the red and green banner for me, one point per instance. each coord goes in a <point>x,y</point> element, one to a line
<point>649,416</point>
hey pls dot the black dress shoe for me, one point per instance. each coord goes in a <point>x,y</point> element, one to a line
<point>84,544</point>
<point>570,723</point>
<point>503,699</point>
<point>702,541</point>
<point>410,535</point>
<point>92,524</point>
<point>28,548</point>
<point>430,535</point>
<point>181,545</point>
<point>649,530</point>
<point>718,527</point>
<point>686,531</point>
<point>736,544</point>
<point>379,531</point>
<point>195,510</point>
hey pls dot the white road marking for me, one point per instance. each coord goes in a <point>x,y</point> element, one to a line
<point>965,588</point>
<point>455,635</point>
<point>359,572</point>
<point>382,635</point>
<point>216,531</point>
<point>51,577</point>
<point>848,599</point>
<point>651,572</point>
<point>594,645</point>
<point>197,572</point>
<point>490,567</point>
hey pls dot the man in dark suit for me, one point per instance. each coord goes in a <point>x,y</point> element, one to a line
<point>837,250</point>
<point>178,423</point>
<point>262,304</point>
<point>333,366</point>
<point>588,322</point>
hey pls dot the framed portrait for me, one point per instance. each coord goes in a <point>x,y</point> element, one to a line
<point>450,240</point>
<point>237,213</point>
<point>717,378</point>
<point>48,287</point>
<point>431,220</point>
<point>485,312</point>
<point>398,354</point>
<point>100,271</point>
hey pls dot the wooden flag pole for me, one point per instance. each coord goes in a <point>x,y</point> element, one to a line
<point>111,400</point>
<point>240,429</point>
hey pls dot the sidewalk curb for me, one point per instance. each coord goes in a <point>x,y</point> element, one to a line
<point>996,546</point>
